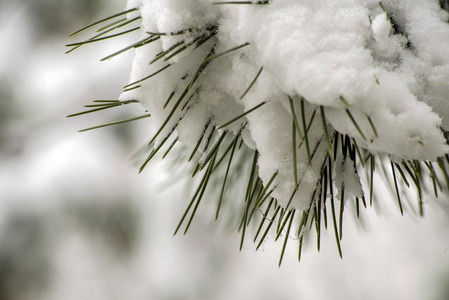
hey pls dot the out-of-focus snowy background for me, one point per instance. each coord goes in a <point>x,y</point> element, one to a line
<point>78,222</point>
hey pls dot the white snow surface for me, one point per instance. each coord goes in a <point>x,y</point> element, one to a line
<point>381,27</point>
<point>343,55</point>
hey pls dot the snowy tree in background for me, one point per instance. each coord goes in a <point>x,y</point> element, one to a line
<point>284,109</point>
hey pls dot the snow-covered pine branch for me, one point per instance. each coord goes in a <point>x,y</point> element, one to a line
<point>315,89</point>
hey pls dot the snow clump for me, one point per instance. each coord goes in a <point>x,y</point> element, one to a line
<point>377,73</point>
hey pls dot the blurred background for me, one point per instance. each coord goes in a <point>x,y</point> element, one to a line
<point>77,221</point>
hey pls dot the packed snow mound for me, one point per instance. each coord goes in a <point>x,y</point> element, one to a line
<point>378,72</point>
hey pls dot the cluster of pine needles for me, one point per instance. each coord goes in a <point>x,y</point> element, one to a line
<point>226,159</point>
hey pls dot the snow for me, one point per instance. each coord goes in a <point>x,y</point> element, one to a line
<point>381,28</point>
<point>321,51</point>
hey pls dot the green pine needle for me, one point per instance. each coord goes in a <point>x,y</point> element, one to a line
<point>148,77</point>
<point>286,238</point>
<point>182,31</point>
<point>397,188</point>
<point>98,37</point>
<point>144,41</point>
<point>242,115</point>
<point>303,115</point>
<point>103,20</point>
<point>242,2</point>
<point>334,219</point>
<point>295,167</point>
<point>226,52</point>
<point>164,53</point>
<point>105,37</point>
<point>203,189</point>
<point>107,26</point>
<point>252,83</point>
<point>372,126</point>
<point>273,217</point>
<point>355,124</point>
<point>171,147</point>
<point>326,133</point>
<point>116,122</point>
<point>220,199</point>
<point>106,104</point>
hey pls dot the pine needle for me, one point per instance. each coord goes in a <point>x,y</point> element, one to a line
<point>273,217</point>
<point>104,104</point>
<point>286,238</point>
<point>103,20</point>
<point>116,122</point>
<point>213,151</point>
<point>91,111</point>
<point>355,124</point>
<point>372,126</point>
<point>220,200</point>
<point>199,140</point>
<point>208,175</point>
<point>119,25</point>
<point>371,182</point>
<point>103,38</point>
<point>169,99</point>
<point>144,41</point>
<point>171,147</point>
<point>264,217</point>
<point>164,53</point>
<point>107,26</point>
<point>398,194</point>
<point>305,131</point>
<point>334,219</point>
<point>226,52</point>
<point>242,115</point>
<point>252,83</point>
<point>200,190</point>
<point>182,31</point>
<point>148,77</point>
<point>295,167</point>
<point>283,223</point>
<point>264,190</point>
<point>295,119</point>
<point>242,2</point>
